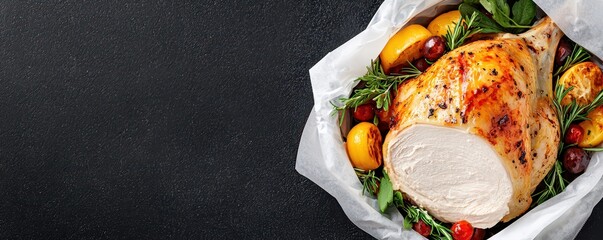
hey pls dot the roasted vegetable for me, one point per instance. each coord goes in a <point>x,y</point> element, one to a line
<point>587,81</point>
<point>404,47</point>
<point>364,146</point>
<point>439,25</point>
<point>593,129</point>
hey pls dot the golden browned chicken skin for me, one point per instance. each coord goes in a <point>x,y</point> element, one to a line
<point>496,94</point>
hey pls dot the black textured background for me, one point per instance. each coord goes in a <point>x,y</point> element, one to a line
<point>166,119</point>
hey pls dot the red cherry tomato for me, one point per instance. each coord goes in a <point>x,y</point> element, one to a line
<point>574,134</point>
<point>364,112</point>
<point>422,228</point>
<point>462,230</point>
<point>386,119</point>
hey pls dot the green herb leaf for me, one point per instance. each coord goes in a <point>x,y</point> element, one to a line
<point>398,199</point>
<point>554,184</point>
<point>578,55</point>
<point>593,149</point>
<point>407,222</point>
<point>554,181</point>
<point>500,11</point>
<point>503,7</point>
<point>524,12</point>
<point>455,38</point>
<point>489,5</point>
<point>414,214</point>
<point>486,24</point>
<point>368,179</point>
<point>378,87</point>
<point>386,193</point>
<point>502,15</point>
<point>471,1</point>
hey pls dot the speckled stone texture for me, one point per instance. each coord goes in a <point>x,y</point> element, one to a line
<point>166,119</point>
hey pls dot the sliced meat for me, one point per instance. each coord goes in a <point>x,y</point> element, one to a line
<point>442,167</point>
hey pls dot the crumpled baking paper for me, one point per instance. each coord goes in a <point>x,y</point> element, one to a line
<point>322,157</point>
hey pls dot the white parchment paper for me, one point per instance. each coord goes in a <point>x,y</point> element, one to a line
<point>322,157</point>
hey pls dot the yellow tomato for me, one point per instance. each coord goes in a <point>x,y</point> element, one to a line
<point>405,46</point>
<point>441,23</point>
<point>364,146</point>
<point>593,128</point>
<point>587,80</point>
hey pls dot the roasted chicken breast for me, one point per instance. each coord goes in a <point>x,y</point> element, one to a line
<point>476,132</point>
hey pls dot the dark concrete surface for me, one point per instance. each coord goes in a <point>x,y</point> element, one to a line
<point>166,119</point>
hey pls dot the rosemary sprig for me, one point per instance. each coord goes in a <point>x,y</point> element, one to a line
<point>413,214</point>
<point>555,184</point>
<point>572,112</point>
<point>554,181</point>
<point>593,149</point>
<point>578,55</point>
<point>378,86</point>
<point>370,182</point>
<point>455,38</point>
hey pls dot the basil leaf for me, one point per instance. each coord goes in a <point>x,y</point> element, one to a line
<point>386,193</point>
<point>499,13</point>
<point>503,7</point>
<point>407,223</point>
<point>502,19</point>
<point>524,11</point>
<point>502,13</point>
<point>399,200</point>
<point>471,1</point>
<point>488,25</point>
<point>489,5</point>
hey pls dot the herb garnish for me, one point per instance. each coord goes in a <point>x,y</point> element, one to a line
<point>555,184</point>
<point>378,86</point>
<point>482,21</point>
<point>412,214</point>
<point>386,193</point>
<point>456,37</point>
<point>514,19</point>
<point>578,55</point>
<point>554,181</point>
<point>369,181</point>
